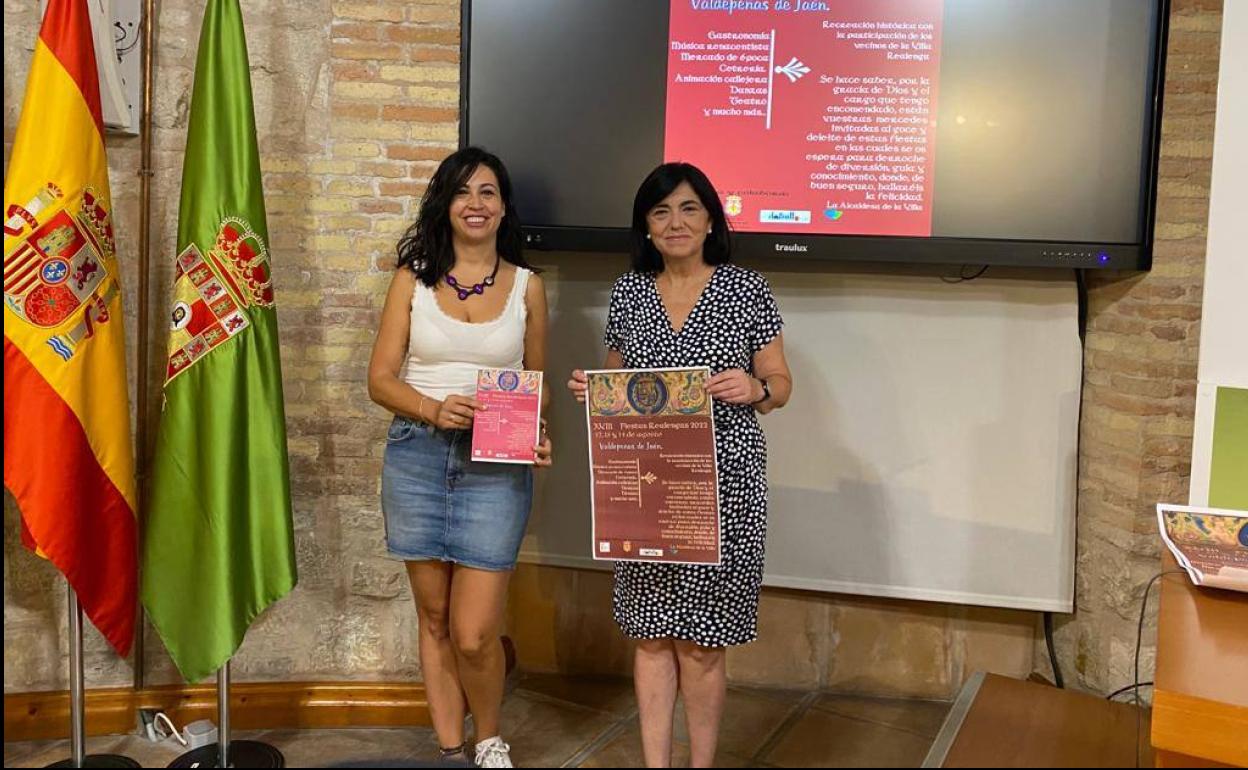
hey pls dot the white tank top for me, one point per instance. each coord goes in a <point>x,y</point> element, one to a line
<point>444,353</point>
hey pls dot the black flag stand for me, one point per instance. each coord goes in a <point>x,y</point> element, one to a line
<point>227,753</point>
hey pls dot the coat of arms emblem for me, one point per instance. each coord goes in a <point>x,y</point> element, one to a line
<point>213,291</point>
<point>59,266</point>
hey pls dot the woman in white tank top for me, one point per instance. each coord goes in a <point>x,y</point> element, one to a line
<point>463,298</point>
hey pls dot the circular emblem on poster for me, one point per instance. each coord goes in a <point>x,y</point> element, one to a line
<point>508,381</point>
<point>606,397</point>
<point>181,316</point>
<point>690,396</point>
<point>647,393</point>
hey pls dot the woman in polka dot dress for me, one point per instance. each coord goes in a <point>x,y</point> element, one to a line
<point>682,305</point>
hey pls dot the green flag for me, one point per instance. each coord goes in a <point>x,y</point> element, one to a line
<point>218,546</point>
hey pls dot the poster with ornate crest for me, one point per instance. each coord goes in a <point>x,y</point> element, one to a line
<point>654,484</point>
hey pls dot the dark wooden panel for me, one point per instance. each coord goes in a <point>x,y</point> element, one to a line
<point>1013,723</point>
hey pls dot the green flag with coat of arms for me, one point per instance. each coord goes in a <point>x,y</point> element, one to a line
<point>218,546</point>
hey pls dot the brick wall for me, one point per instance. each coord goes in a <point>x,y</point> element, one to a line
<point>1140,379</point>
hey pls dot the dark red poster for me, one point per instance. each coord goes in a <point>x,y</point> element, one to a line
<point>809,117</point>
<point>655,492</point>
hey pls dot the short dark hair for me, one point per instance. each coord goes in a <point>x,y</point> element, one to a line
<point>426,248</point>
<point>657,186</point>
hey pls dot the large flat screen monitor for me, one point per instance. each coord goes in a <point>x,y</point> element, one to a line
<point>1017,132</point>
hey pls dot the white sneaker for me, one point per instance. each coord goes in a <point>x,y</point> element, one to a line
<point>492,752</point>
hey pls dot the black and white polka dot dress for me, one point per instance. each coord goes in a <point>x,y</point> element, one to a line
<point>735,317</point>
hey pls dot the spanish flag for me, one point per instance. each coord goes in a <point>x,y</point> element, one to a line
<point>68,458</point>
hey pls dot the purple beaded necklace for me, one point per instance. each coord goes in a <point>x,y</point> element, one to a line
<point>476,288</point>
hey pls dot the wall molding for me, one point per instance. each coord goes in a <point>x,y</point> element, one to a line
<point>258,705</point>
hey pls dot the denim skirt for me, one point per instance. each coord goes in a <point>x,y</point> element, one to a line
<point>439,504</point>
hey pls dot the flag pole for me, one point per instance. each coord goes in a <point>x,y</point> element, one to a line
<point>77,702</point>
<point>223,714</point>
<point>226,752</point>
<point>77,699</point>
<point>141,388</point>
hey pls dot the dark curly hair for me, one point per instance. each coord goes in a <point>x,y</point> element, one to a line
<point>426,248</point>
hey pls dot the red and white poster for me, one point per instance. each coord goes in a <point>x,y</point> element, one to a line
<point>654,483</point>
<point>808,116</point>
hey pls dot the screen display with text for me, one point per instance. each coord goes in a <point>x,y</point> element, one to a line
<point>821,118</point>
<point>923,119</point>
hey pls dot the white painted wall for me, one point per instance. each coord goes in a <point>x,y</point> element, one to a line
<point>1224,319</point>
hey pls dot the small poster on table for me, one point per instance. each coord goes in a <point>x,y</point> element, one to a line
<point>509,426</point>
<point>1211,544</point>
<point>654,484</point>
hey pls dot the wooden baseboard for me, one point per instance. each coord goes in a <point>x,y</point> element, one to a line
<point>254,706</point>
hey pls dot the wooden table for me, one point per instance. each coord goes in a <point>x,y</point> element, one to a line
<point>1002,722</point>
<point>1200,700</point>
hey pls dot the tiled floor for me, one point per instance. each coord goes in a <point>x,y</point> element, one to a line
<point>554,721</point>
